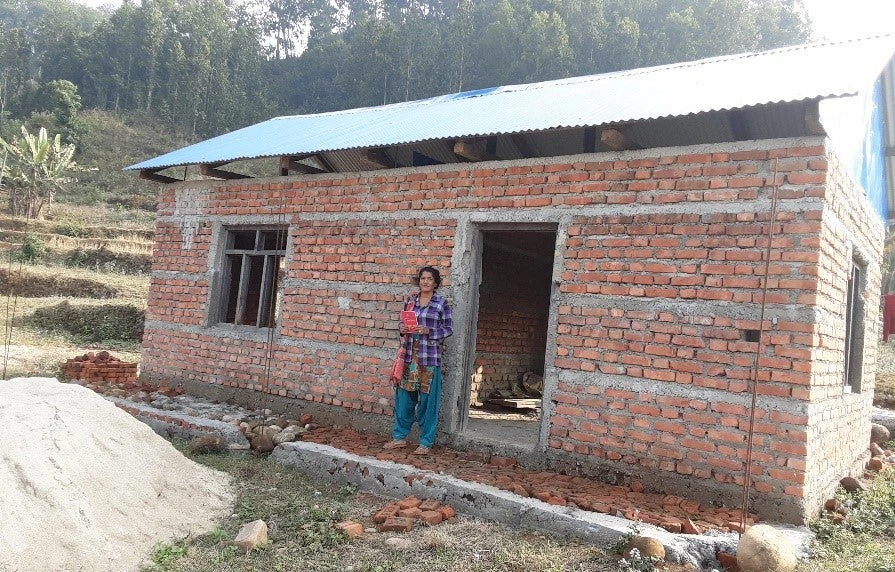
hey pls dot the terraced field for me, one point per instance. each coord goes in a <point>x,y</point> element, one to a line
<point>73,283</point>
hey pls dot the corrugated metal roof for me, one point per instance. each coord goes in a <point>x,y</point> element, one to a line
<point>795,73</point>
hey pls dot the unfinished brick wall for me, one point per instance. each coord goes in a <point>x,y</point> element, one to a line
<point>839,416</point>
<point>656,317</point>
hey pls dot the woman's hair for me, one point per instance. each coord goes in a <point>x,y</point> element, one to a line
<point>432,270</point>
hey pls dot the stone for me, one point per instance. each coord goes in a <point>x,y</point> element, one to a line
<point>399,543</point>
<point>878,433</point>
<point>832,505</point>
<point>290,433</point>
<point>207,444</point>
<point>351,528</point>
<point>764,549</point>
<point>647,546</point>
<point>252,535</point>
<point>852,484</point>
<point>447,512</point>
<point>876,450</point>
<point>262,443</point>
<point>875,464</point>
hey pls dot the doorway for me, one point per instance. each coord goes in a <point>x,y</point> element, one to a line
<point>506,381</point>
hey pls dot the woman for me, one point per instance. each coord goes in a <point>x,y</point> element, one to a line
<point>418,394</point>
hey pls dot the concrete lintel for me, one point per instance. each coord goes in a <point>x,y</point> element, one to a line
<point>672,389</point>
<point>682,307</point>
<point>483,501</point>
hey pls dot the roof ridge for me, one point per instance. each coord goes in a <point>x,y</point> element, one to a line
<point>495,90</point>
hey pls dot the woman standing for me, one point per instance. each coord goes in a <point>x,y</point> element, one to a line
<point>418,394</point>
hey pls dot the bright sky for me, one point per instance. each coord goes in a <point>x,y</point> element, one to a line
<point>833,19</point>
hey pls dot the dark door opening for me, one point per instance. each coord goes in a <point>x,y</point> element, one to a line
<point>511,335</point>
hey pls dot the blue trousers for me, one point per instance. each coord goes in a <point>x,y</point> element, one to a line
<point>419,406</point>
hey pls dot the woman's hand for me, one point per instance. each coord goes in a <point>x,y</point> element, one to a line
<point>404,329</point>
<point>421,330</point>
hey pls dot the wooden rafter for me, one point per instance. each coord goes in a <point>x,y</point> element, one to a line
<point>211,170</point>
<point>292,164</point>
<point>153,175</point>
<point>378,159</point>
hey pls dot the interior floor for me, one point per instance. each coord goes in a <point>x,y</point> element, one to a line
<point>503,427</point>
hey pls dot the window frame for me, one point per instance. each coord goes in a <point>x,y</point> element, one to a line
<point>266,314</point>
<point>855,324</point>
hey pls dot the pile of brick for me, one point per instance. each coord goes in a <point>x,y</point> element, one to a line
<point>100,367</point>
<point>401,516</point>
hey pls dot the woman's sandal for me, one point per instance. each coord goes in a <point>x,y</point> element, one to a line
<point>395,445</point>
<point>422,450</point>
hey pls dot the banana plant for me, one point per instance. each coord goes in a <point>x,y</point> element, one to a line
<point>40,166</point>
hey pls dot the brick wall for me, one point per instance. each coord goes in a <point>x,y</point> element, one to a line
<point>656,316</point>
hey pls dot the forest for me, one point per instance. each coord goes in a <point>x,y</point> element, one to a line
<point>199,68</point>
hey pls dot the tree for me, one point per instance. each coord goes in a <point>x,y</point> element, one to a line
<point>39,167</point>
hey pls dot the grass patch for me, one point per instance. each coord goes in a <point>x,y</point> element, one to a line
<point>301,515</point>
<point>91,323</point>
<point>28,284</point>
<point>864,542</point>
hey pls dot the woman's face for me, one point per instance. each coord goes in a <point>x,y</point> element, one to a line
<point>427,282</point>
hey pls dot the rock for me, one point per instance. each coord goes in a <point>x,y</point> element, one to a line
<point>351,528</point>
<point>876,450</point>
<point>399,543</point>
<point>764,549</point>
<point>648,547</point>
<point>262,443</point>
<point>207,444</point>
<point>290,433</point>
<point>875,464</point>
<point>251,535</point>
<point>878,433</point>
<point>832,505</point>
<point>852,484</point>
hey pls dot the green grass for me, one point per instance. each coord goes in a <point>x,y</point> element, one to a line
<point>862,543</point>
<point>301,515</point>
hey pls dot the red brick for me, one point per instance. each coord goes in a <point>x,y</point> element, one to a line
<point>431,517</point>
<point>396,524</point>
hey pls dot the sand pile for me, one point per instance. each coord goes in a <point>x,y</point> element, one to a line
<point>85,486</point>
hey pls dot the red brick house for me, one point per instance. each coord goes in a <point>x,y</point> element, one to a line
<point>610,232</point>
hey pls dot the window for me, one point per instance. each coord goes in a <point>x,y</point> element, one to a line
<point>854,329</point>
<point>254,261</point>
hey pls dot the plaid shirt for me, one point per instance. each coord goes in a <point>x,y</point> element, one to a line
<point>436,316</point>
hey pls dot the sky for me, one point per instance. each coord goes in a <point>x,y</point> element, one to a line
<point>833,19</point>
